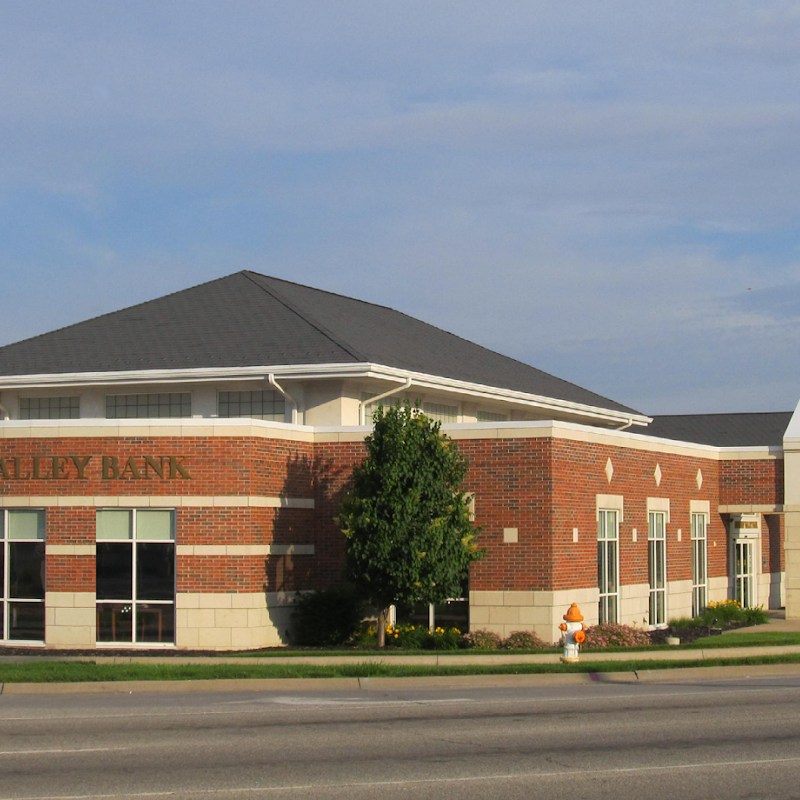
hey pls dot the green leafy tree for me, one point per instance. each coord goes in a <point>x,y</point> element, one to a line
<point>409,536</point>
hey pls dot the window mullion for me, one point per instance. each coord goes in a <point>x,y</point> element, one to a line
<point>134,570</point>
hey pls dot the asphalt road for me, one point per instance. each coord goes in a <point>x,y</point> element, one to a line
<point>707,739</point>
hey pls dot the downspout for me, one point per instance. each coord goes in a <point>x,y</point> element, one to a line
<point>271,379</point>
<point>380,397</point>
<point>4,412</point>
<point>626,425</point>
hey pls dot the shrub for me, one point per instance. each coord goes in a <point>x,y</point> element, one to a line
<point>524,640</point>
<point>326,617</point>
<point>609,634</point>
<point>755,616</point>
<point>366,635</point>
<point>483,640</point>
<point>682,623</point>
<point>444,639</point>
<point>722,613</point>
<point>408,637</point>
<point>411,637</point>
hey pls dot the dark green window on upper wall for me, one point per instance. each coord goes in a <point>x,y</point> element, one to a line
<point>148,406</point>
<point>49,407</point>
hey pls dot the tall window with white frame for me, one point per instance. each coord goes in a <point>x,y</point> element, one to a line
<point>699,563</point>
<point>657,562</point>
<point>608,564</point>
<point>22,565</point>
<point>136,576</point>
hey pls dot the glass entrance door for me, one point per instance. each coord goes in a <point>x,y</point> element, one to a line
<point>745,572</point>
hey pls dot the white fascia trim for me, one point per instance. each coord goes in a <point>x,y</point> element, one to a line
<point>312,371</point>
<point>159,422</point>
<point>771,450</point>
<point>166,376</point>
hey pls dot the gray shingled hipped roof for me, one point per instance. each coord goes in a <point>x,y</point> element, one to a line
<point>247,319</point>
<point>724,430</point>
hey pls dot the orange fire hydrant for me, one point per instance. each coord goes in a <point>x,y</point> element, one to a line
<point>574,635</point>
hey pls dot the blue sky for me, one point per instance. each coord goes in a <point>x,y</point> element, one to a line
<point>610,192</point>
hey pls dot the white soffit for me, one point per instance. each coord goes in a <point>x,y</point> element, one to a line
<point>319,371</point>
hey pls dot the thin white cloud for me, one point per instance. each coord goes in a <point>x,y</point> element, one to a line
<point>591,187</point>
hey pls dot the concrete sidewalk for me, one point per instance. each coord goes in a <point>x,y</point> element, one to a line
<point>777,623</point>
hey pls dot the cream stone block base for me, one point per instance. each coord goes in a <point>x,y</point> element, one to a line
<point>679,599</point>
<point>719,588</point>
<point>770,592</point>
<point>70,619</point>
<point>232,621</point>
<point>634,604</point>
<point>541,612</point>
<point>792,529</point>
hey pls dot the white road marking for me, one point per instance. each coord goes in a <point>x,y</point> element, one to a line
<point>61,750</point>
<point>580,773</point>
<point>360,702</point>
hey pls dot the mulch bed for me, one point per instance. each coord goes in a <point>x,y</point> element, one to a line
<point>687,635</point>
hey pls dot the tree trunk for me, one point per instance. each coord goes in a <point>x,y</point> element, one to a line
<point>383,615</point>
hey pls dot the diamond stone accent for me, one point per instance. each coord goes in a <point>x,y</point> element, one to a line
<point>699,479</point>
<point>657,474</point>
<point>609,470</point>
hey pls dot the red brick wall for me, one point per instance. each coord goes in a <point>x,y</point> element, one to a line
<point>512,482</point>
<point>70,526</point>
<point>772,541</point>
<point>579,475</point>
<point>543,487</point>
<point>756,482</point>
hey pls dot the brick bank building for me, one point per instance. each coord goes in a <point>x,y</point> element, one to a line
<point>170,475</point>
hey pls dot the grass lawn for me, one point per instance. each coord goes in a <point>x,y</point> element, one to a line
<point>737,639</point>
<point>76,671</point>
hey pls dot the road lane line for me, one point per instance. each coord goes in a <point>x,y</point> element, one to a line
<point>61,750</point>
<point>378,784</point>
<point>716,691</point>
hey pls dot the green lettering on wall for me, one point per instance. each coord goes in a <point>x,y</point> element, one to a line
<point>59,462</point>
<point>156,466</point>
<point>130,468</point>
<point>80,463</point>
<point>71,467</point>
<point>37,468</point>
<point>109,470</point>
<point>176,468</point>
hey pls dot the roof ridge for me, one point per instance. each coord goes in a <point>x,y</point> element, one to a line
<point>303,315</point>
<point>722,414</point>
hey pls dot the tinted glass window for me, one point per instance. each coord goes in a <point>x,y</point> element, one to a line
<point>114,571</point>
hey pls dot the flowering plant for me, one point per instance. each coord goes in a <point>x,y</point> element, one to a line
<point>483,640</point>
<point>608,634</point>
<point>524,640</point>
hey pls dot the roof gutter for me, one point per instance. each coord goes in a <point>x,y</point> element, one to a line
<point>380,397</point>
<point>273,382</point>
